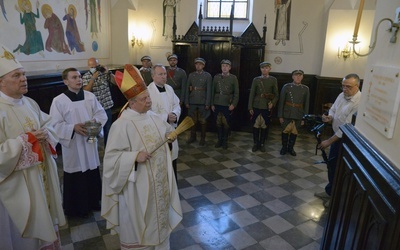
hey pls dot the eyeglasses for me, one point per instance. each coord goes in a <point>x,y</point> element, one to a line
<point>347,87</point>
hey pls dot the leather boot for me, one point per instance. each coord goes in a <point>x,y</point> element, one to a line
<point>192,135</point>
<point>256,140</point>
<point>225,135</point>
<point>203,135</point>
<point>285,139</point>
<point>219,134</point>
<point>263,138</point>
<point>292,141</point>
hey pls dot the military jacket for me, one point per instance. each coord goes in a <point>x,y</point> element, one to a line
<point>177,80</point>
<point>294,101</point>
<point>199,88</point>
<point>263,91</point>
<point>146,75</point>
<point>225,90</point>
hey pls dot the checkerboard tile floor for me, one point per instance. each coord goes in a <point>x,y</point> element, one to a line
<point>234,198</point>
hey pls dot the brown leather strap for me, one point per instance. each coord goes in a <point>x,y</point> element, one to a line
<point>295,105</point>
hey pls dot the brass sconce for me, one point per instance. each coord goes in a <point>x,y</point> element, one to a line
<point>346,52</point>
<point>136,41</point>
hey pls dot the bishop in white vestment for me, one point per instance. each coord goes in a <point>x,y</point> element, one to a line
<point>140,196</point>
<point>30,197</point>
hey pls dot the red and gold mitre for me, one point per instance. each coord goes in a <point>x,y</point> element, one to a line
<point>130,82</point>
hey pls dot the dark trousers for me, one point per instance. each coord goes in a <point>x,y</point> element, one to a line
<point>82,192</point>
<point>332,162</point>
<point>107,126</point>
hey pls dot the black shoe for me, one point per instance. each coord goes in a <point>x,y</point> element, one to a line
<point>291,151</point>
<point>262,148</point>
<point>202,142</point>
<point>254,148</point>
<point>283,151</point>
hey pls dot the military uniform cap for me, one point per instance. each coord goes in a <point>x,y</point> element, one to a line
<point>8,62</point>
<point>130,82</point>
<point>200,60</point>
<point>263,64</point>
<point>173,56</point>
<point>145,58</point>
<point>298,72</point>
<point>226,61</point>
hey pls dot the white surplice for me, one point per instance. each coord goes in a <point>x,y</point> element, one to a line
<point>141,202</point>
<point>78,155</point>
<point>163,104</point>
<point>28,189</point>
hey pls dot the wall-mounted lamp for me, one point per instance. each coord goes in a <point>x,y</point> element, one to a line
<point>136,41</point>
<point>394,28</point>
<point>346,52</point>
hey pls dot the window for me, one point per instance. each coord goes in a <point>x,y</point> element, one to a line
<point>222,8</point>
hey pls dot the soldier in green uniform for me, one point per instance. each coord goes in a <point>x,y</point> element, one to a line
<point>145,70</point>
<point>224,99</point>
<point>198,99</point>
<point>293,105</point>
<point>263,97</point>
<point>176,77</point>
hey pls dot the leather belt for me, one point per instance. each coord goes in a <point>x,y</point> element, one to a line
<point>295,105</point>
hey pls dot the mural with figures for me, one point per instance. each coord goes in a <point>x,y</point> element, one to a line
<point>55,29</point>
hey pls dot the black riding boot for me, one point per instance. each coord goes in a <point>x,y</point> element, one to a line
<point>192,135</point>
<point>263,138</point>
<point>203,135</point>
<point>225,135</point>
<point>219,134</point>
<point>292,141</point>
<point>285,138</point>
<point>256,139</point>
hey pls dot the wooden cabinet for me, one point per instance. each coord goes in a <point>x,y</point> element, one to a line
<point>365,207</point>
<point>217,43</point>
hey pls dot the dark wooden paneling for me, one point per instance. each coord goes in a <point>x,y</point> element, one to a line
<point>43,87</point>
<point>327,89</point>
<point>365,208</point>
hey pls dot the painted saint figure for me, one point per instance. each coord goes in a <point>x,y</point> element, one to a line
<point>282,23</point>
<point>72,33</point>
<point>33,41</point>
<point>56,39</point>
<point>169,11</point>
<point>93,11</point>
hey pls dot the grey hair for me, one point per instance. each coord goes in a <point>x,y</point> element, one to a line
<point>158,65</point>
<point>354,76</point>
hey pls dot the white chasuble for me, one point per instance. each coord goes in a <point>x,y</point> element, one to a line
<point>140,202</point>
<point>31,196</point>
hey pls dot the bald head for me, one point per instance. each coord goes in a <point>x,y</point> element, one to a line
<point>93,62</point>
